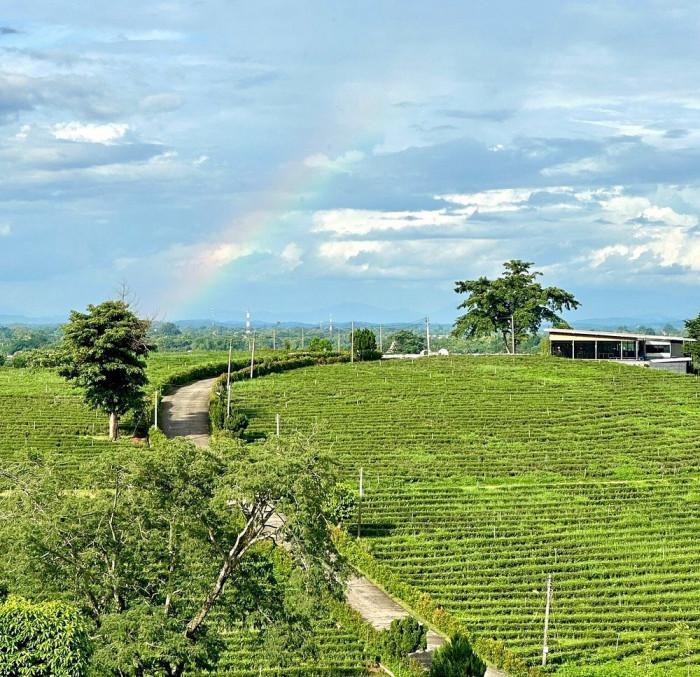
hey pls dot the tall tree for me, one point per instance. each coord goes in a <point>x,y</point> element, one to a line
<point>513,305</point>
<point>365,344</point>
<point>165,537</point>
<point>104,351</point>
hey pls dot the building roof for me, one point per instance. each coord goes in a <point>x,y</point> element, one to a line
<point>618,335</point>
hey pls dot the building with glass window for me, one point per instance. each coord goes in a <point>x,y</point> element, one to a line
<point>659,352</point>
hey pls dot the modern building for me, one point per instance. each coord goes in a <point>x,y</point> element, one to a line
<point>659,352</point>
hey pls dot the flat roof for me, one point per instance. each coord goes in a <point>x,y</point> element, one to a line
<point>618,335</point>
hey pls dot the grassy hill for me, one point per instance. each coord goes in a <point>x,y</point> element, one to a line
<point>483,475</point>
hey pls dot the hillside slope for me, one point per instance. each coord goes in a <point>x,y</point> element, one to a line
<point>484,475</point>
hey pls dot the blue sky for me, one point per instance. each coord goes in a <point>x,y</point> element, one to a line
<point>305,158</point>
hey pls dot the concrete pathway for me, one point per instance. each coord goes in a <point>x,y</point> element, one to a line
<point>185,413</point>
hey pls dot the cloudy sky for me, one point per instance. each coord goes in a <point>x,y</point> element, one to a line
<point>302,158</point>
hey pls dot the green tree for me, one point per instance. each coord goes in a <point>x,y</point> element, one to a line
<point>457,659</point>
<point>320,345</point>
<point>104,351</point>
<point>44,639</point>
<point>162,538</point>
<point>365,344</point>
<point>692,329</point>
<point>514,305</point>
<point>406,341</point>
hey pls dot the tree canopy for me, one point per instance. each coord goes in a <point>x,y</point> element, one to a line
<point>365,344</point>
<point>320,345</point>
<point>406,341</point>
<point>103,353</point>
<point>513,305</point>
<point>163,538</point>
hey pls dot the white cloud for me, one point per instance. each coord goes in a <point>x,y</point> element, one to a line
<point>406,259</point>
<point>5,229</point>
<point>341,163</point>
<point>502,200</point>
<point>364,221</point>
<point>154,35</point>
<point>23,132</point>
<point>200,160</point>
<point>89,132</point>
<point>588,165</point>
<point>291,255</point>
<point>668,215</point>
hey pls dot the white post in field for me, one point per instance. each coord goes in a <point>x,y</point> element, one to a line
<point>352,341</point>
<point>228,380</point>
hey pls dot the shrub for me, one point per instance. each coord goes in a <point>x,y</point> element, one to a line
<point>404,636</point>
<point>47,638</point>
<point>342,503</point>
<point>320,345</point>
<point>457,659</point>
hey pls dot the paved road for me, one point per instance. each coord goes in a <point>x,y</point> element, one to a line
<point>185,412</point>
<point>378,609</point>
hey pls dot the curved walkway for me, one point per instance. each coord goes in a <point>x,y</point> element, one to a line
<point>185,413</point>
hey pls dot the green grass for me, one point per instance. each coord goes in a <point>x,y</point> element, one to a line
<point>484,475</point>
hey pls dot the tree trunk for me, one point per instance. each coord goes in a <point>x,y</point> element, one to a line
<point>113,426</point>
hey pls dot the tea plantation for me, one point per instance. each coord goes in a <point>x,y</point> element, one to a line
<point>485,474</point>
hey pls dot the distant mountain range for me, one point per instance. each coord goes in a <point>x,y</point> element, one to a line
<point>362,315</point>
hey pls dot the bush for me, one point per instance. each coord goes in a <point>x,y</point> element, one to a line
<point>236,424</point>
<point>404,636</point>
<point>457,659</point>
<point>341,504</point>
<point>48,638</point>
<point>320,345</point>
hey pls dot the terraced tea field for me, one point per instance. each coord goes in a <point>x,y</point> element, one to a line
<point>483,475</point>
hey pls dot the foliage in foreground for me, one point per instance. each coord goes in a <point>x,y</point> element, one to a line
<point>42,639</point>
<point>457,659</point>
<point>164,538</point>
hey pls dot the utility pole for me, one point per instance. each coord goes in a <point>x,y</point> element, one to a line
<point>427,333</point>
<point>512,334</point>
<point>545,648</point>
<point>359,506</point>
<point>381,344</point>
<point>155,410</point>
<point>274,339</point>
<point>302,338</point>
<point>352,341</point>
<point>228,380</point>
<point>330,325</point>
<point>252,356</point>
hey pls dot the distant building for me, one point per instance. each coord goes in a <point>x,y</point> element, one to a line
<point>659,352</point>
